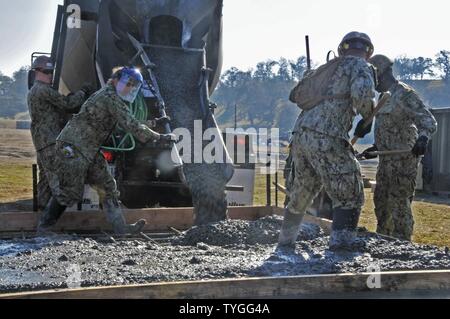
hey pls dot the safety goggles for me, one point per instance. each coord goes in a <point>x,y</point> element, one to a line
<point>46,71</point>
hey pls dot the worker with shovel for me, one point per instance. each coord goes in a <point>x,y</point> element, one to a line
<point>330,97</point>
<point>403,129</point>
<point>78,157</point>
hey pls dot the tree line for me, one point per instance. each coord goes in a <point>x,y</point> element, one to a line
<point>260,95</point>
<point>13,93</point>
<point>418,68</point>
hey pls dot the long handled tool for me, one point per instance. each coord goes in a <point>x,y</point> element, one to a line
<point>387,153</point>
<point>360,157</point>
<point>384,99</point>
<point>308,53</point>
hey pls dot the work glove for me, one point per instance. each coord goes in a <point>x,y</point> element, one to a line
<point>366,154</point>
<point>362,131</point>
<point>159,121</point>
<point>420,148</point>
<point>88,89</point>
<point>168,138</point>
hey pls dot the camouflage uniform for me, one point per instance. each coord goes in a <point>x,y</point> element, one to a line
<point>78,157</point>
<point>322,154</point>
<point>48,110</point>
<point>398,125</point>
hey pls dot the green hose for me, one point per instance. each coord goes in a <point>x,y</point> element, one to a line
<point>127,144</point>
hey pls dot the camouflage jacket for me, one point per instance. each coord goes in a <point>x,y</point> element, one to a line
<point>335,117</point>
<point>98,118</point>
<point>402,120</point>
<point>48,110</point>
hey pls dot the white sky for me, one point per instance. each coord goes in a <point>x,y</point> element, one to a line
<point>256,30</point>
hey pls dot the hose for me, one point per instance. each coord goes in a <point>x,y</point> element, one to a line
<point>128,143</point>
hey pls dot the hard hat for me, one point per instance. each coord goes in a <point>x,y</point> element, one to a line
<point>44,63</point>
<point>133,73</point>
<point>356,40</point>
<point>381,63</point>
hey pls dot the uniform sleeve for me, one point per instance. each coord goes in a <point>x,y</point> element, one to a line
<point>362,89</point>
<point>69,104</point>
<point>423,119</point>
<point>131,125</point>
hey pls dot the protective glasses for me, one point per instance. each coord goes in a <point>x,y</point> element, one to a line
<point>46,71</point>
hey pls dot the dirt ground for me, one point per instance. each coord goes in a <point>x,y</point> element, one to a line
<point>16,146</point>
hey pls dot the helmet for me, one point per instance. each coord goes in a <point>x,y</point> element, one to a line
<point>129,83</point>
<point>133,73</point>
<point>381,63</point>
<point>44,63</point>
<point>356,40</point>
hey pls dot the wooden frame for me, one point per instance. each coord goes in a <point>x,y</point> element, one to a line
<point>158,219</point>
<point>393,284</point>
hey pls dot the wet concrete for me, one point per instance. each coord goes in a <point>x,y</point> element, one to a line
<point>230,249</point>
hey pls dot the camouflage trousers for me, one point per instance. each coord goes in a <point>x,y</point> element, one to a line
<point>325,162</point>
<point>46,161</point>
<point>74,171</point>
<point>394,193</point>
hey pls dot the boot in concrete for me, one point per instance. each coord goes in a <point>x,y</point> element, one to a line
<point>50,217</point>
<point>344,232</point>
<point>289,229</point>
<point>116,218</point>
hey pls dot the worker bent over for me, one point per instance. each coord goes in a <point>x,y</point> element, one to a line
<point>78,157</point>
<point>322,155</point>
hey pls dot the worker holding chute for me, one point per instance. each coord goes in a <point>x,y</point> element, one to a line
<point>78,157</point>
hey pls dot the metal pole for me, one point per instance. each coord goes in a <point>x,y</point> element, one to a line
<point>268,182</point>
<point>268,187</point>
<point>60,52</point>
<point>276,188</point>
<point>235,116</point>
<point>57,32</point>
<point>35,182</point>
<point>308,53</point>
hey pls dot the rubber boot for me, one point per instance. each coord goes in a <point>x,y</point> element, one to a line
<point>344,230</point>
<point>116,218</point>
<point>50,217</point>
<point>289,229</point>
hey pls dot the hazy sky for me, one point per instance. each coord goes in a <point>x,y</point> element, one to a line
<point>256,30</point>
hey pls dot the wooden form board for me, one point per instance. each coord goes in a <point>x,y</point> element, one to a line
<point>336,285</point>
<point>158,219</point>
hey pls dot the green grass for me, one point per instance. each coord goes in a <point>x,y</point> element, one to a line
<point>15,182</point>
<point>432,221</point>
